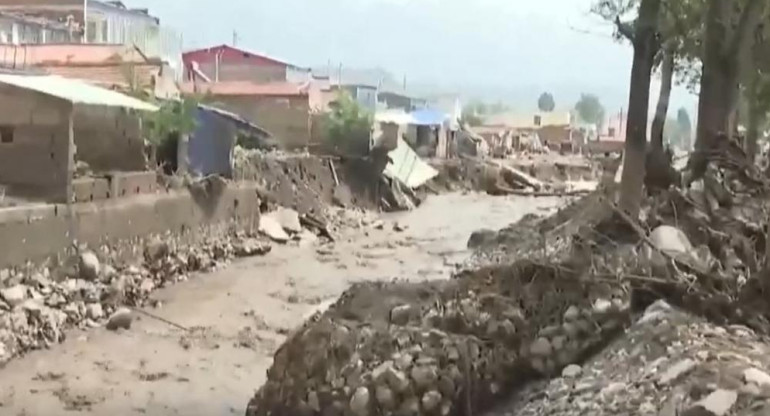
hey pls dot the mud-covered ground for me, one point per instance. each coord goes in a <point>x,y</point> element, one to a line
<point>212,366</point>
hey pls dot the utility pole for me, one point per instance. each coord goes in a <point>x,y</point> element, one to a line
<point>235,38</point>
<point>85,21</point>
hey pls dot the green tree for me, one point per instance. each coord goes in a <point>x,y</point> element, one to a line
<point>348,126</point>
<point>590,109</point>
<point>470,117</point>
<point>546,102</point>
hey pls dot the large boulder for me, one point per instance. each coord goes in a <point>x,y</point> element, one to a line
<point>89,266</point>
<point>288,218</point>
<point>271,227</point>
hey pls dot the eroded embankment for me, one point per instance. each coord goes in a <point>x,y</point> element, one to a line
<point>458,344</point>
<point>153,241</point>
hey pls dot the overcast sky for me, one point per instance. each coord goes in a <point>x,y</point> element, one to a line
<point>543,44</point>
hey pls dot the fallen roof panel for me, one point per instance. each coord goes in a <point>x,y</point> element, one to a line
<point>407,167</point>
<point>76,92</point>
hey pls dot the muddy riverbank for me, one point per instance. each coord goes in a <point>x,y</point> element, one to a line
<point>236,317</point>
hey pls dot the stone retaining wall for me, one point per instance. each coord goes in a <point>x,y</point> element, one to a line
<point>35,232</point>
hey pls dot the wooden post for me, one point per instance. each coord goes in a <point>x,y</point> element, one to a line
<point>70,172</point>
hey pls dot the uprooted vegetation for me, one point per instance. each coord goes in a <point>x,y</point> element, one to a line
<point>544,294</point>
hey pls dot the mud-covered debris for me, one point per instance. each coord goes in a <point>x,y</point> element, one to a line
<point>270,227</point>
<point>121,319</point>
<point>718,403</point>
<point>89,265</point>
<point>94,311</point>
<point>251,247</point>
<point>571,371</point>
<point>15,295</point>
<point>756,376</point>
<point>288,218</point>
<point>156,249</point>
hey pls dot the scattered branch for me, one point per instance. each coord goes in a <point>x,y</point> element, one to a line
<point>625,29</point>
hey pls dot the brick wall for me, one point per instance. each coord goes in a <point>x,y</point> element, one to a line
<point>288,119</point>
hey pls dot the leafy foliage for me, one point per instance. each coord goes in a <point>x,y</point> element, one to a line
<point>546,102</point>
<point>471,119</point>
<point>590,109</point>
<point>348,126</point>
<point>173,118</point>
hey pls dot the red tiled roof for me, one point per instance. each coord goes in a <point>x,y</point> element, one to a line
<point>246,88</point>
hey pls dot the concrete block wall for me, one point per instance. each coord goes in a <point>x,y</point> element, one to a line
<point>34,155</point>
<point>37,232</point>
<point>132,183</point>
<point>109,139</point>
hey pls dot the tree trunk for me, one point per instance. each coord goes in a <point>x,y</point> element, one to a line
<point>661,112</point>
<point>752,129</point>
<point>719,81</point>
<point>645,47</point>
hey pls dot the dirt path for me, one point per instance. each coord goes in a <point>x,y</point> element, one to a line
<point>213,368</point>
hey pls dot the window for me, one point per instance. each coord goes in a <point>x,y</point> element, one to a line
<point>6,134</point>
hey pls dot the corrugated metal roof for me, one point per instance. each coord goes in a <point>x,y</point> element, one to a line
<point>74,91</point>
<point>428,117</point>
<point>242,122</point>
<point>407,167</point>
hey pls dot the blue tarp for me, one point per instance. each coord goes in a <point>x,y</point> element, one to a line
<point>428,117</point>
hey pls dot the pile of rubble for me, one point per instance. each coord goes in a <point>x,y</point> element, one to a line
<point>577,280</point>
<point>89,288</point>
<point>668,363</point>
<point>438,348</point>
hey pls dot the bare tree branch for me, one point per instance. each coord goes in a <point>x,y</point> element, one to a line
<point>625,29</point>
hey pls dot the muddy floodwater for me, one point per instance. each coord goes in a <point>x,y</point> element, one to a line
<point>236,317</point>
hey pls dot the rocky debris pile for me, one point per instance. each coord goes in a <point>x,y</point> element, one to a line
<point>548,238</point>
<point>590,268</point>
<point>668,363</point>
<point>38,304</point>
<point>437,348</point>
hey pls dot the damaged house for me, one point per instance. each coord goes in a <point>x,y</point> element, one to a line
<point>63,140</point>
<point>116,67</point>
